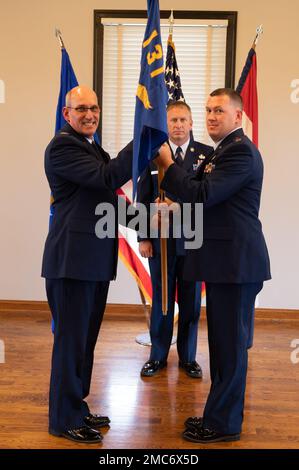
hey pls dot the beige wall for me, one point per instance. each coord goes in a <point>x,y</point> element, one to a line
<point>29,67</point>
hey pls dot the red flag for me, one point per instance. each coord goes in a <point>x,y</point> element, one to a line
<point>247,88</point>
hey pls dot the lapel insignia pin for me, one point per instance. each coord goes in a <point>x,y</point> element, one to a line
<point>238,139</point>
<point>191,149</point>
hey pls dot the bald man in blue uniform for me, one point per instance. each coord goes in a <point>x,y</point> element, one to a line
<point>77,264</point>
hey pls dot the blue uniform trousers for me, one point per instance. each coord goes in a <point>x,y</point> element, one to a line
<point>229,315</point>
<point>189,300</point>
<point>77,308</point>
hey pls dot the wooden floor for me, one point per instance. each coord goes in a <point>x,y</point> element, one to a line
<point>145,413</point>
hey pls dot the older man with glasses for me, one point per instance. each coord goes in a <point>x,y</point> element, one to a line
<point>77,264</point>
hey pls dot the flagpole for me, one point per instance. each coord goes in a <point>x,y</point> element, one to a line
<point>259,32</point>
<point>163,240</point>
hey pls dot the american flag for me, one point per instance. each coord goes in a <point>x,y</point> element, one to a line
<point>172,74</point>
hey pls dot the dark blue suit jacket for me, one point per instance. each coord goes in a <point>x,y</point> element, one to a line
<point>229,185</point>
<point>148,189</point>
<point>80,177</point>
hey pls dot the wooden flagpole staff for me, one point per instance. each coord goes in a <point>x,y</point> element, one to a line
<point>163,239</point>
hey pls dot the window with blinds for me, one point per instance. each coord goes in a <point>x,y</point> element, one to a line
<point>201,55</point>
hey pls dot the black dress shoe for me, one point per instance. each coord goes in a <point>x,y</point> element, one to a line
<point>96,421</point>
<point>192,369</point>
<point>85,434</point>
<point>207,436</point>
<point>193,422</point>
<point>150,368</point>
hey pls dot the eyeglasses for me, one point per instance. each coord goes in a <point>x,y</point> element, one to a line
<point>84,109</point>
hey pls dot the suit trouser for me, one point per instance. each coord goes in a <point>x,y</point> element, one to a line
<point>229,315</point>
<point>77,308</point>
<point>189,300</point>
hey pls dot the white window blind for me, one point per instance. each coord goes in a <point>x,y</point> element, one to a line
<point>201,55</point>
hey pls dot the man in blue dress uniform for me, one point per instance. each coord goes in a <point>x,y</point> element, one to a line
<point>190,155</point>
<point>233,260</point>
<point>77,264</point>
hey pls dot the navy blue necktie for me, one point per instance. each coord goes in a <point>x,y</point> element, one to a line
<point>178,156</point>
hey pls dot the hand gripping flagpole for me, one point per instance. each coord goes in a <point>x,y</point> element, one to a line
<point>259,32</point>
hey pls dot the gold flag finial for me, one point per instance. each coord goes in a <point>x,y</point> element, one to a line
<point>259,32</point>
<point>59,37</point>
